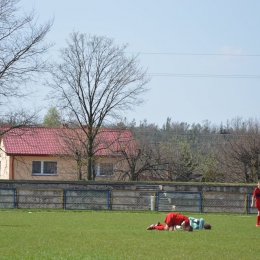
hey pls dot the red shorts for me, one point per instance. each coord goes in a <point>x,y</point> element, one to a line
<point>173,219</point>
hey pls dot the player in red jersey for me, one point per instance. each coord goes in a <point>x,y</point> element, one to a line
<point>256,197</point>
<point>172,220</point>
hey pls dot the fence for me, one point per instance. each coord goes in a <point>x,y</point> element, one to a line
<point>28,198</point>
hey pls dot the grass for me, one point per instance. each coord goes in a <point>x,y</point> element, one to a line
<point>111,235</point>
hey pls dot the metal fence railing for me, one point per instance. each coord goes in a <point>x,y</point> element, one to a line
<point>68,199</point>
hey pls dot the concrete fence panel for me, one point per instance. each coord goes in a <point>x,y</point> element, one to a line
<point>40,198</point>
<point>8,198</point>
<point>179,201</point>
<point>131,199</point>
<point>224,202</point>
<point>87,199</point>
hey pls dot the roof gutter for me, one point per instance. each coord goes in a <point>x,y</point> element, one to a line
<point>31,154</point>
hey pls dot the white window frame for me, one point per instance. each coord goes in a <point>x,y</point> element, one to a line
<point>98,169</point>
<point>42,168</point>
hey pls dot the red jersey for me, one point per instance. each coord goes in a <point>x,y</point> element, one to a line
<point>174,219</point>
<point>256,195</point>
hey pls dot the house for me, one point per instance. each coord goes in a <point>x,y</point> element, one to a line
<point>44,153</point>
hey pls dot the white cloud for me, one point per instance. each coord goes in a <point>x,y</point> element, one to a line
<point>230,51</point>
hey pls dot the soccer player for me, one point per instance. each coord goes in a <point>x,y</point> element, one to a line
<point>199,223</point>
<point>195,223</point>
<point>256,197</point>
<point>172,220</point>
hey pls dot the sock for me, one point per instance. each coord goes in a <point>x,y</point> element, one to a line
<point>258,220</point>
<point>159,227</point>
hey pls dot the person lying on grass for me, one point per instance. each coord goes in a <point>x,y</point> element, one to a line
<point>172,220</point>
<point>199,223</point>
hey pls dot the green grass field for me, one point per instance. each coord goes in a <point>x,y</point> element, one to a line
<point>122,235</point>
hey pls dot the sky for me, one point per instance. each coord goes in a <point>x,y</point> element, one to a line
<point>203,56</point>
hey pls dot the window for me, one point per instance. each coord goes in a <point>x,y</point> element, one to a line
<point>44,168</point>
<point>104,169</point>
<point>36,167</point>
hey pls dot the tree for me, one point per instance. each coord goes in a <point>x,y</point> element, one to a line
<point>145,162</point>
<point>74,143</point>
<point>52,118</point>
<point>21,49</point>
<point>17,119</point>
<point>181,164</point>
<point>142,156</point>
<point>95,82</point>
<point>240,151</point>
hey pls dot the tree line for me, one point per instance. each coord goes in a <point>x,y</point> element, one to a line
<point>197,152</point>
<point>184,152</point>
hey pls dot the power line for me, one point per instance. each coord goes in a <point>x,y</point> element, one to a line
<point>186,54</point>
<point>203,75</point>
<point>195,54</point>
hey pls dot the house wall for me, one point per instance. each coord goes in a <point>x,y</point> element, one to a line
<point>118,165</point>
<point>67,169</point>
<point>4,163</point>
<point>22,167</point>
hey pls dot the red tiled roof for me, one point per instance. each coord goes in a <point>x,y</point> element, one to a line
<point>32,141</point>
<point>49,141</point>
<point>110,141</point>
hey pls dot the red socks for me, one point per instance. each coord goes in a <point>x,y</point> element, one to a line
<point>258,220</point>
<point>159,227</point>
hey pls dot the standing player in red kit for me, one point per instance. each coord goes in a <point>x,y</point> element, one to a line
<point>256,197</point>
<point>172,220</point>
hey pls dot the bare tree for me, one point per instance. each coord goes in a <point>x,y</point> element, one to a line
<point>144,163</point>
<point>21,50</point>
<point>19,118</point>
<point>73,142</point>
<point>241,152</point>
<point>94,82</point>
<point>144,155</point>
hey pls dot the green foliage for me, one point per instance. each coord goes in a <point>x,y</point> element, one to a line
<point>52,118</point>
<point>214,176</point>
<point>111,235</point>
